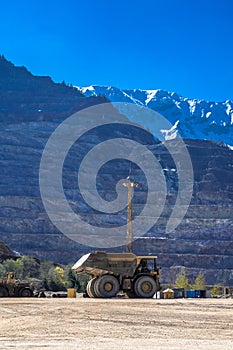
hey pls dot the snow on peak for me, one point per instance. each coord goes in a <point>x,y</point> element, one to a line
<point>229,110</point>
<point>86,89</point>
<point>150,95</point>
<point>171,133</point>
<point>192,105</point>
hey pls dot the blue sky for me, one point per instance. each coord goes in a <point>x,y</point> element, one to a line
<point>176,45</point>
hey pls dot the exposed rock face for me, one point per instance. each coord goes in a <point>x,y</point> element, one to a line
<point>30,109</point>
<point>5,252</point>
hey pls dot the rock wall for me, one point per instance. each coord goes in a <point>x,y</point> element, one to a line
<point>5,252</point>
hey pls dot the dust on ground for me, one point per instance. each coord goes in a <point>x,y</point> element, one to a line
<point>135,324</point>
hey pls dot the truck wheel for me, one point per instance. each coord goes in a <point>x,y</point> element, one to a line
<point>3,292</point>
<point>90,288</point>
<point>145,287</point>
<point>107,286</point>
<point>25,292</point>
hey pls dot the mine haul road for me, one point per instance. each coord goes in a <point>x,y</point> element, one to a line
<point>90,324</point>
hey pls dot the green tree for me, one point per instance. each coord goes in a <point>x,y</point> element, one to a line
<point>16,266</point>
<point>45,267</point>
<point>182,280</point>
<point>215,291</point>
<point>71,278</point>
<point>24,267</point>
<point>56,279</point>
<point>31,267</point>
<point>200,282</point>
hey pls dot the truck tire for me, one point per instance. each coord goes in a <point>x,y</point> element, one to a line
<point>106,286</point>
<point>25,292</point>
<point>3,292</point>
<point>145,287</point>
<point>91,288</point>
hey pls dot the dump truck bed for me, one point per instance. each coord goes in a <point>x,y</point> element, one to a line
<point>100,263</point>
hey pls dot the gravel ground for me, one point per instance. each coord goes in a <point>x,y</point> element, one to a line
<point>116,324</point>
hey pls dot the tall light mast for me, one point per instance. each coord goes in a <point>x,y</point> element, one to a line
<point>129,236</point>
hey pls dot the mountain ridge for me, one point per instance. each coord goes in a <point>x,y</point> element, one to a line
<point>149,91</point>
<point>25,97</point>
<point>191,118</point>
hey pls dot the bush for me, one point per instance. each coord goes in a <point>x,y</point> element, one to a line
<point>56,279</point>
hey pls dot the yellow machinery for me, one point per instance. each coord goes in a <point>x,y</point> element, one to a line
<point>137,276</point>
<point>11,287</point>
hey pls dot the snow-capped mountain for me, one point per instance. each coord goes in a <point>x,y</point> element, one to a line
<point>195,119</point>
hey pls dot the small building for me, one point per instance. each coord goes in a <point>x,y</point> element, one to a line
<point>195,293</point>
<point>200,293</point>
<point>190,293</point>
<point>168,293</point>
<point>179,293</point>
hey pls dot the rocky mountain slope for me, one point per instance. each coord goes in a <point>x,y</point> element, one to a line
<point>194,119</point>
<point>31,108</point>
<point>5,252</point>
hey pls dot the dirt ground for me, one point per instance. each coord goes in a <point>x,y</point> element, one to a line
<point>116,324</point>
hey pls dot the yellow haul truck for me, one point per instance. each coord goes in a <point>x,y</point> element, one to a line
<point>137,276</point>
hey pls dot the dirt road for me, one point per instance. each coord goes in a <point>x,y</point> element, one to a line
<point>93,324</point>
